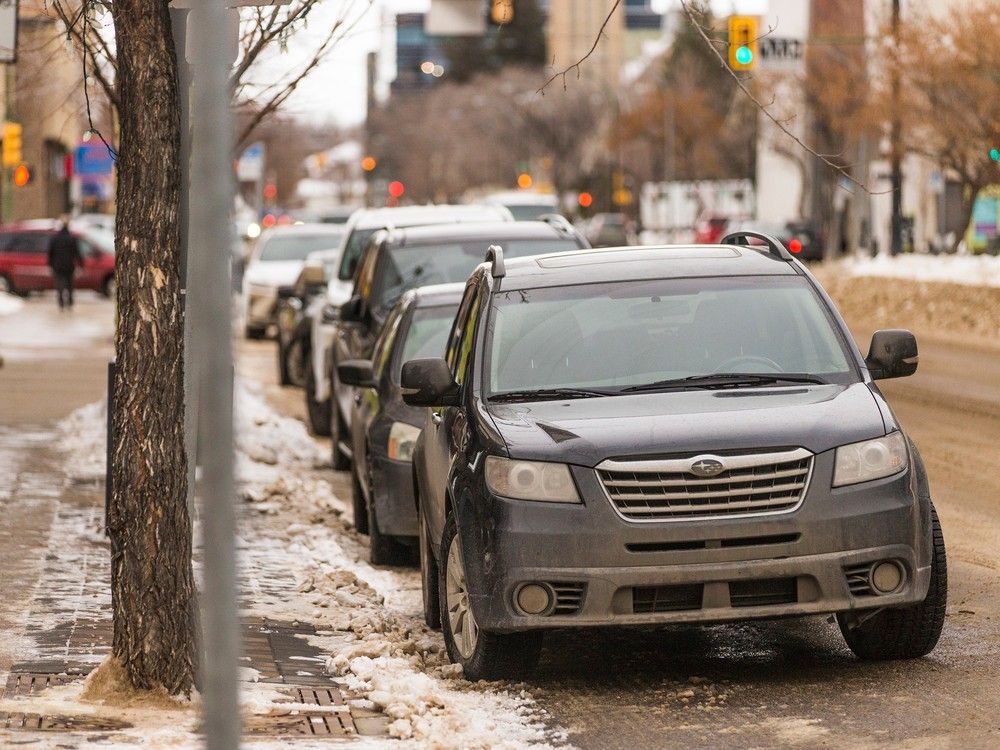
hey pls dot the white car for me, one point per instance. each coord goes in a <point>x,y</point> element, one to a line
<point>525,205</point>
<point>360,228</point>
<point>274,265</point>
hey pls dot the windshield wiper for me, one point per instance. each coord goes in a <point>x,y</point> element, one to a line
<point>543,394</point>
<point>726,380</point>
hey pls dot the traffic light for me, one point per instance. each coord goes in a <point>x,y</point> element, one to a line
<point>12,144</point>
<point>995,153</point>
<point>524,181</point>
<point>585,199</point>
<point>742,42</point>
<point>22,175</point>
<point>369,163</point>
<point>396,189</point>
<point>501,11</point>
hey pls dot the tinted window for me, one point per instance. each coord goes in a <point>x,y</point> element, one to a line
<point>30,242</point>
<point>421,265</point>
<point>383,344</point>
<point>296,247</point>
<point>352,252</point>
<point>632,333</point>
<point>427,334</point>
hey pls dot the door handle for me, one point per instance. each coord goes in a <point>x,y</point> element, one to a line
<point>436,417</point>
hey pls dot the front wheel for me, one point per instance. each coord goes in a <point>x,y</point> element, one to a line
<point>905,632</point>
<point>483,655</point>
<point>108,287</point>
<point>358,503</point>
<point>318,411</point>
<point>338,434</point>
<point>428,575</point>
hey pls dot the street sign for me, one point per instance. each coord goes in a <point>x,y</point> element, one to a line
<point>250,166</point>
<point>742,42</point>
<point>776,51</point>
<point>8,31</point>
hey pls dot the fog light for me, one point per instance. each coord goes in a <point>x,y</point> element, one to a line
<point>886,577</point>
<point>533,599</point>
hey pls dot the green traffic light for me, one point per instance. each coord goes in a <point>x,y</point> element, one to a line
<point>744,55</point>
<point>995,154</point>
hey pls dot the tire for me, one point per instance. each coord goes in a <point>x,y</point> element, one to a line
<point>429,583</point>
<point>108,287</point>
<point>905,632</point>
<point>255,332</point>
<point>384,548</point>
<point>359,504</point>
<point>283,376</point>
<point>338,459</point>
<point>318,411</point>
<point>482,655</point>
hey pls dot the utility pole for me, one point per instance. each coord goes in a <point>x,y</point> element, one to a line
<point>895,138</point>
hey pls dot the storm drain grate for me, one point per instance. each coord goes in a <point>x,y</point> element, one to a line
<point>316,696</point>
<point>32,683</point>
<point>16,720</point>
<point>301,724</point>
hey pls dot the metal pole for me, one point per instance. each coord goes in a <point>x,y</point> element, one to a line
<point>895,137</point>
<point>210,311</point>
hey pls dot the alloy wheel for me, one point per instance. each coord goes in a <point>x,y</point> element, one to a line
<point>464,630</point>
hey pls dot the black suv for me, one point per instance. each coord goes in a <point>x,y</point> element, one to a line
<point>670,434</point>
<point>397,260</point>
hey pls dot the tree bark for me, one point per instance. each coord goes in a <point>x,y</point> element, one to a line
<point>152,581</point>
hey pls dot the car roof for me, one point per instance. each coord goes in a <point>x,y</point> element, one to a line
<point>436,295</point>
<point>485,232</point>
<point>636,263</point>
<point>308,229</point>
<point>523,198</point>
<point>377,218</point>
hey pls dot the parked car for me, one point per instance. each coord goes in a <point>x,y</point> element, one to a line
<point>710,228</point>
<point>359,229</point>
<point>611,230</point>
<point>399,260</point>
<point>801,240</point>
<point>383,428</point>
<point>293,316</point>
<point>24,258</point>
<point>525,205</point>
<point>274,264</point>
<point>661,435</point>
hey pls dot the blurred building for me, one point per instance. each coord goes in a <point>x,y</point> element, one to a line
<point>573,27</point>
<point>420,63</point>
<point>47,100</point>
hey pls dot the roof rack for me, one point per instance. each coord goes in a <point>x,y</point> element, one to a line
<point>495,256</point>
<point>742,239</point>
<point>557,221</point>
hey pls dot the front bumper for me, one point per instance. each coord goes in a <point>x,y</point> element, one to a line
<point>628,573</point>
<point>395,507</point>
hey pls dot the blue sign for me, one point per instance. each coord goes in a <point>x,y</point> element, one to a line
<point>93,159</point>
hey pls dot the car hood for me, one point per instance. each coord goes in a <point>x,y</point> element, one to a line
<point>587,431</point>
<point>273,272</point>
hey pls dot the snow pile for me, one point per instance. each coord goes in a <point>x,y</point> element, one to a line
<point>9,304</point>
<point>83,436</point>
<point>973,270</point>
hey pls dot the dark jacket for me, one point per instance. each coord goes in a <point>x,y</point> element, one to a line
<point>64,252</point>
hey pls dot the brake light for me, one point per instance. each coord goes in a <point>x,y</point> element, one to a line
<point>795,246</point>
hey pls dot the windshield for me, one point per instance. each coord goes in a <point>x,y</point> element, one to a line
<point>352,252</point>
<point>427,334</point>
<point>422,265</point>
<point>297,246</point>
<point>623,334</point>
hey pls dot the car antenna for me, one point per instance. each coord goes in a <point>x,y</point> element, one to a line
<point>494,256</point>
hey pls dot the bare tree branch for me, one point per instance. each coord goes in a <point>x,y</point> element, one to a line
<point>578,63</point>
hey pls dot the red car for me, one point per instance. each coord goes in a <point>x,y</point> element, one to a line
<point>24,259</point>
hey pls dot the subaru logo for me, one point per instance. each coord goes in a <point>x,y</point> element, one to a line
<point>705,466</point>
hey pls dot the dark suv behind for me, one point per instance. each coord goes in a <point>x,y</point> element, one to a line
<point>661,435</point>
<point>398,260</point>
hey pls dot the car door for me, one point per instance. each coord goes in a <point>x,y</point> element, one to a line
<point>29,261</point>
<point>439,447</point>
<point>356,338</point>
<point>90,275</point>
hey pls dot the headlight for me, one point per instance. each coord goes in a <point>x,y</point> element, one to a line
<point>402,438</point>
<point>530,480</point>
<point>871,459</point>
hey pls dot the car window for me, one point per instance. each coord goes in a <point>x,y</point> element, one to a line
<point>462,335</point>
<point>366,274</point>
<point>633,333</point>
<point>296,246</point>
<point>411,266</point>
<point>426,335</point>
<point>384,343</point>
<point>6,239</point>
<point>458,327</point>
<point>31,242</point>
<point>356,243</point>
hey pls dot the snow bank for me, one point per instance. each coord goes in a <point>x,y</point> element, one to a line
<point>83,437</point>
<point>973,270</point>
<point>9,304</point>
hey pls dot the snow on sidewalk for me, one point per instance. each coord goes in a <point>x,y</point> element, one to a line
<point>972,270</point>
<point>301,560</point>
<point>9,304</point>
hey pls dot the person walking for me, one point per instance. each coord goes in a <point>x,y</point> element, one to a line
<point>64,257</point>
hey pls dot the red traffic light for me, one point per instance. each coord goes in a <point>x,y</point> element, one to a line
<point>396,189</point>
<point>22,175</point>
<point>586,200</point>
<point>270,191</point>
<point>795,246</point>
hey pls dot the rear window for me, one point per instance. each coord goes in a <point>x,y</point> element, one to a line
<point>411,266</point>
<point>297,247</point>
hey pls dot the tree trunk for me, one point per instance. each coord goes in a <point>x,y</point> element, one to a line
<point>152,581</point>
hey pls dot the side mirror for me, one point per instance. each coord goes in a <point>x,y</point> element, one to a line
<point>352,311</point>
<point>357,372</point>
<point>428,382</point>
<point>892,354</point>
<point>312,280</point>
